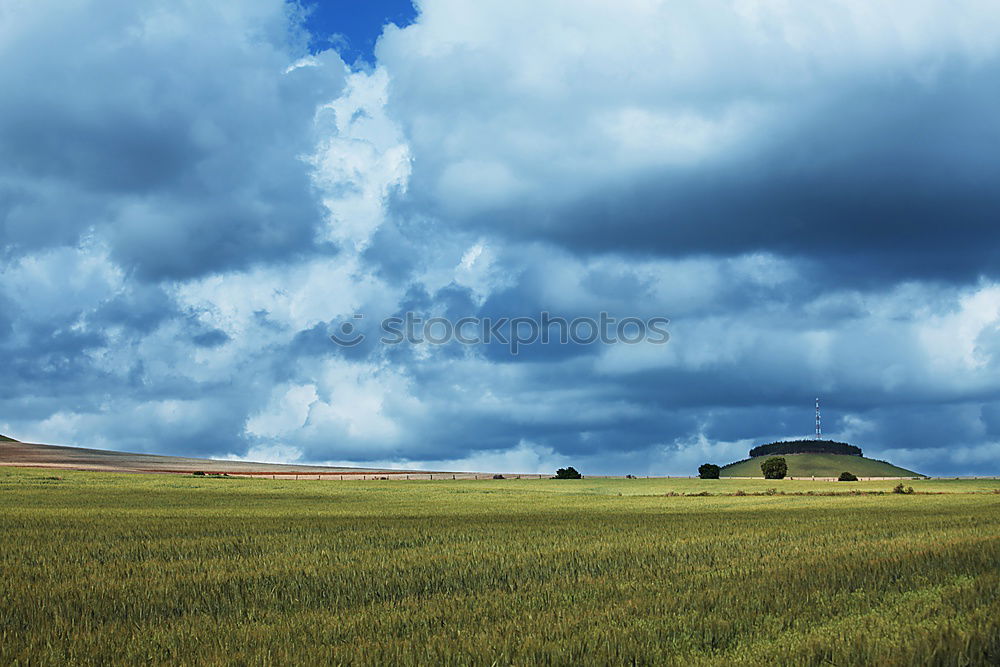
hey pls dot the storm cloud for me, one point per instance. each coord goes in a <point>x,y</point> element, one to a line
<point>194,196</point>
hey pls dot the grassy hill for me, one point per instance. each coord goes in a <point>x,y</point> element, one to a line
<point>4,438</point>
<point>820,465</point>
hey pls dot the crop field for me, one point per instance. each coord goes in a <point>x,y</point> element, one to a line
<point>103,568</point>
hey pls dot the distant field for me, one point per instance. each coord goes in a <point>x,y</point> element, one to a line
<point>820,465</point>
<point>17,453</point>
<point>102,568</point>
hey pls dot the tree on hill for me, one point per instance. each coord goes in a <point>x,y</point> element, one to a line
<point>806,447</point>
<point>774,468</point>
<point>708,471</point>
<point>567,473</point>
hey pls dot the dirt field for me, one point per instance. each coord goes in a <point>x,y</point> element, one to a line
<point>24,454</point>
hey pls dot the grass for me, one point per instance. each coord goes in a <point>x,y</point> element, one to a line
<point>110,569</point>
<point>820,465</point>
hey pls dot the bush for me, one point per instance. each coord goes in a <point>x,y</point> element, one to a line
<point>708,471</point>
<point>774,468</point>
<point>199,474</point>
<point>497,476</point>
<point>847,477</point>
<point>900,489</point>
<point>567,473</point>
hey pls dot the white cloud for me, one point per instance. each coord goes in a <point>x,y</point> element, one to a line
<point>952,341</point>
<point>524,457</point>
<point>361,161</point>
<point>685,455</point>
<point>37,283</point>
<point>275,453</point>
<point>287,411</point>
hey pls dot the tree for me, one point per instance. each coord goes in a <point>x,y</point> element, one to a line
<point>774,468</point>
<point>847,477</point>
<point>567,473</point>
<point>805,447</point>
<point>708,471</point>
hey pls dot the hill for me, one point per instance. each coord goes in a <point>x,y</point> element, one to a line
<point>14,453</point>
<point>820,465</point>
<point>4,438</point>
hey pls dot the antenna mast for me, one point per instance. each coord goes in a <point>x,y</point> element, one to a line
<point>819,431</point>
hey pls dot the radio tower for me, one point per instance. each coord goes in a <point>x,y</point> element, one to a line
<point>819,431</point>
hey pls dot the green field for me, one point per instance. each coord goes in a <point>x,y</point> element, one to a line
<point>111,568</point>
<point>820,465</point>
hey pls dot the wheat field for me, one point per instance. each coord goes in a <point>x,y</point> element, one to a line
<point>101,568</point>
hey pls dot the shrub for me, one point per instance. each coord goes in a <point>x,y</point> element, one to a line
<point>199,474</point>
<point>630,477</point>
<point>774,468</point>
<point>567,473</point>
<point>900,489</point>
<point>847,477</point>
<point>708,471</point>
<point>497,476</point>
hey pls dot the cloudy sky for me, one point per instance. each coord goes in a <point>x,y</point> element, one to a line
<point>194,195</point>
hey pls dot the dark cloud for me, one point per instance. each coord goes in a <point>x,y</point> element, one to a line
<point>142,308</point>
<point>213,338</point>
<point>180,145</point>
<point>887,181</point>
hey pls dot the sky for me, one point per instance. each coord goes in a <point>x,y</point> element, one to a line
<point>194,196</point>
